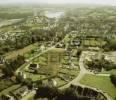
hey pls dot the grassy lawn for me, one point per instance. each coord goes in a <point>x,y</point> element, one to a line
<point>35,77</point>
<point>6,28</point>
<point>5,84</point>
<point>100,82</point>
<point>113,71</point>
<point>59,82</point>
<point>31,98</point>
<point>14,54</point>
<point>69,71</point>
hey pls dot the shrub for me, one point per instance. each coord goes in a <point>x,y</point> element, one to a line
<point>113,79</point>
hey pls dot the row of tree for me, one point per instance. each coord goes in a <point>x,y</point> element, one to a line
<point>11,66</point>
<point>52,93</point>
<point>113,79</point>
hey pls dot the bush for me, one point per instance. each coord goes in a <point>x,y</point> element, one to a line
<point>28,82</point>
<point>5,83</point>
<point>46,92</point>
<point>12,65</point>
<point>54,94</point>
<point>113,79</point>
<point>111,45</point>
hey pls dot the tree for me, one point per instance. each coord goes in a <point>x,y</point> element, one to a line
<point>68,94</point>
<point>12,65</point>
<point>28,82</point>
<point>79,52</point>
<point>46,92</point>
<point>113,79</point>
<point>111,44</point>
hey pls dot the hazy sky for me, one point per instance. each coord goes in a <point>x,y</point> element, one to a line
<point>106,2</point>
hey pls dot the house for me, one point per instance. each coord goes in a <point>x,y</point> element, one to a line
<point>42,47</point>
<point>60,45</point>
<point>52,82</point>
<point>76,42</point>
<point>21,74</point>
<point>33,66</point>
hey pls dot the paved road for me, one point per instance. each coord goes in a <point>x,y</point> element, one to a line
<point>26,64</point>
<point>82,72</point>
<point>32,93</point>
<point>80,75</point>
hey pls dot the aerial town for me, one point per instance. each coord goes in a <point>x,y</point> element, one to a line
<point>61,52</point>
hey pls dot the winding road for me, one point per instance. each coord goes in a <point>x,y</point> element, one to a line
<point>82,73</point>
<point>76,81</point>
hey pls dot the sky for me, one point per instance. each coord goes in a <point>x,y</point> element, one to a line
<point>104,2</point>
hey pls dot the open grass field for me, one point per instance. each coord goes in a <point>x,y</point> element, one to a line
<point>100,82</point>
<point>60,82</point>
<point>35,77</point>
<point>113,71</point>
<point>71,72</point>
<point>14,54</point>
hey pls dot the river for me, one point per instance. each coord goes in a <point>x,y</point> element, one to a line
<point>51,14</point>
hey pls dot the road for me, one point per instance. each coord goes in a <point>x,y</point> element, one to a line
<point>82,73</point>
<point>32,93</point>
<point>26,64</point>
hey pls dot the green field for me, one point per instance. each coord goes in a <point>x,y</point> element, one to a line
<point>35,77</point>
<point>60,82</point>
<point>5,84</point>
<point>113,71</point>
<point>27,49</point>
<point>100,82</point>
<point>72,72</point>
